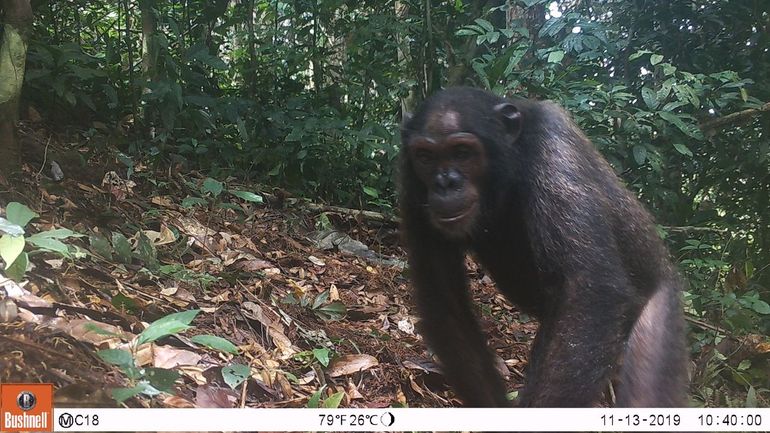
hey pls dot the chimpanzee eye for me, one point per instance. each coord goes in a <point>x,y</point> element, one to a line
<point>462,153</point>
<point>424,157</point>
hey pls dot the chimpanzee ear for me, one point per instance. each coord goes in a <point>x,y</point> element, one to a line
<point>510,116</point>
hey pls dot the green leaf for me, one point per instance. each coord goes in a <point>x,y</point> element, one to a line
<point>248,196</point>
<point>92,327</point>
<point>216,343</point>
<point>322,355</point>
<point>751,398</point>
<point>320,299</point>
<point>744,365</point>
<point>655,59</point>
<point>334,311</point>
<point>162,379</point>
<point>122,247</point>
<point>315,399</point>
<point>467,31</point>
<point>638,54</point>
<point>19,214</point>
<point>58,234</point>
<point>189,202</point>
<point>10,228</point>
<point>117,357</point>
<point>122,394</point>
<point>371,192</point>
<point>681,148</point>
<point>146,252</point>
<point>49,244</point>
<point>11,248</point>
<point>760,307</point>
<point>235,374</point>
<point>212,186</point>
<point>19,266</point>
<point>650,98</point>
<point>555,56</point>
<point>169,325</point>
<point>679,123</point>
<point>334,400</point>
<point>101,246</point>
<point>640,154</point>
<point>486,25</point>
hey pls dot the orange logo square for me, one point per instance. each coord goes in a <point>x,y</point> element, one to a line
<point>26,407</point>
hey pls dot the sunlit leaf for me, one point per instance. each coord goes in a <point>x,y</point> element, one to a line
<point>169,325</point>
<point>19,214</point>
<point>216,343</point>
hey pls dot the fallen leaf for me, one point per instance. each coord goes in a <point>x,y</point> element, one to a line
<point>349,364</point>
<point>406,326</point>
<point>253,265</point>
<point>93,332</point>
<point>208,396</point>
<point>170,357</point>
<point>174,401</point>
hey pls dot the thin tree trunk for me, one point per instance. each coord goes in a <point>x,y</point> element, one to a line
<point>17,24</point>
<point>404,57</point>
<point>149,56</point>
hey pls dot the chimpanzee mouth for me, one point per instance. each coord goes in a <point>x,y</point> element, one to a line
<point>459,216</point>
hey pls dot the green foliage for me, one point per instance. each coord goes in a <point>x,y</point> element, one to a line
<point>12,241</point>
<point>215,343</point>
<point>235,374</point>
<point>331,402</point>
<point>152,381</point>
<point>319,305</point>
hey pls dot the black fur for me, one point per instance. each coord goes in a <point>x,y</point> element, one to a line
<point>563,240</point>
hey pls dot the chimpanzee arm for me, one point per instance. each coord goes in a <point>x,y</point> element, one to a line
<point>595,305</point>
<point>578,345</point>
<point>448,324</point>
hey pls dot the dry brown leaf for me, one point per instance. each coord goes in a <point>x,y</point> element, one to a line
<point>286,388</point>
<point>351,390</point>
<point>415,387</point>
<point>253,265</point>
<point>282,343</point>
<point>400,397</point>
<point>349,364</point>
<point>170,357</point>
<point>334,294</point>
<point>81,330</point>
<point>162,200</point>
<point>162,237</point>
<point>316,261</point>
<point>174,401</point>
<point>169,291</point>
<point>208,396</point>
<point>195,373</point>
<point>144,355</point>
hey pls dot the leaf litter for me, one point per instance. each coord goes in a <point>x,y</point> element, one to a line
<point>281,316</point>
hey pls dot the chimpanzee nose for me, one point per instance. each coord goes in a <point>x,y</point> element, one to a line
<point>448,180</point>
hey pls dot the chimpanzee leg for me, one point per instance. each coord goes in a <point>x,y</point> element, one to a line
<point>654,367</point>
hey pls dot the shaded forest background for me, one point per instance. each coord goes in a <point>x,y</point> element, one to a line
<point>303,99</point>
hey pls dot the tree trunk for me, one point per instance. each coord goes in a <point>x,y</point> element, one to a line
<point>404,57</point>
<point>17,24</point>
<point>149,54</point>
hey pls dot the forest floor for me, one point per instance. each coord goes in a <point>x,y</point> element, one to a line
<point>307,312</point>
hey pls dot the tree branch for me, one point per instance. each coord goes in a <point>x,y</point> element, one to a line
<point>740,116</point>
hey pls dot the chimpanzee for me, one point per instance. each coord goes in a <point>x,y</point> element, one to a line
<point>516,182</point>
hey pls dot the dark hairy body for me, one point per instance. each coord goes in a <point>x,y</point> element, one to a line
<point>517,183</point>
